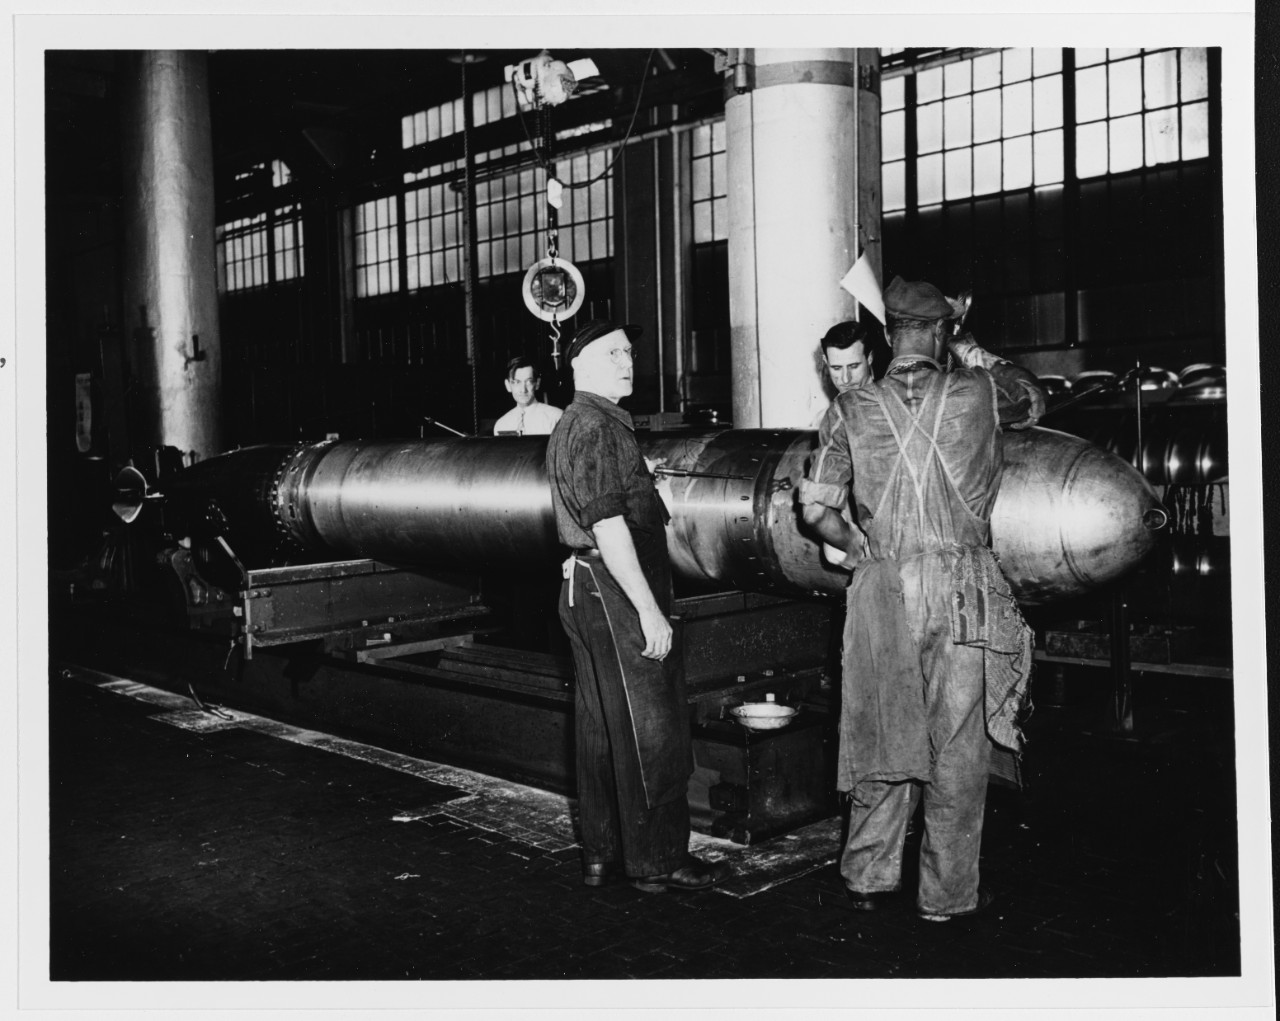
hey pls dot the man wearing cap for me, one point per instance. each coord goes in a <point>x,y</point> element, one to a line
<point>936,654</point>
<point>631,719</point>
<point>530,417</point>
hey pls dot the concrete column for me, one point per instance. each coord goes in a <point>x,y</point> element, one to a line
<point>636,262</point>
<point>791,118</point>
<point>170,281</point>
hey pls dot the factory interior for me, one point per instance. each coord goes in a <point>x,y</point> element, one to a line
<point>309,700</point>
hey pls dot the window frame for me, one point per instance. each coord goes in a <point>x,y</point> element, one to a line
<point>268,227</point>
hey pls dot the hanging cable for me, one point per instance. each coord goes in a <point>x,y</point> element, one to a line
<point>544,159</point>
<point>469,244</point>
<point>644,76</point>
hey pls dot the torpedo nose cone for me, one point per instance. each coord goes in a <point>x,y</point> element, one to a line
<point>1070,517</point>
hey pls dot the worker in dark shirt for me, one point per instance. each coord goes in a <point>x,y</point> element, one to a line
<point>631,719</point>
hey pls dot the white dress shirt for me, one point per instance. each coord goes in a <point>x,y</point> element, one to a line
<point>534,420</point>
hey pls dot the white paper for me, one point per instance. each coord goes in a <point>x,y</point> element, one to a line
<point>861,282</point>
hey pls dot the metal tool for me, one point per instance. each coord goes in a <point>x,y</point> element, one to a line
<point>687,473</point>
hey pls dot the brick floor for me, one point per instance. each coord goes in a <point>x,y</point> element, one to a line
<point>181,854</point>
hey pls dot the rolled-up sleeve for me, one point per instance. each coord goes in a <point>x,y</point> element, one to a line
<point>601,472</point>
<point>1017,391</point>
<point>827,481</point>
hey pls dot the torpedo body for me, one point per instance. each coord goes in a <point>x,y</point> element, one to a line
<point>1069,517</point>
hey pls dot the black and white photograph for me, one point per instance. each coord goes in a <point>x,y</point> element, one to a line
<point>530,511</point>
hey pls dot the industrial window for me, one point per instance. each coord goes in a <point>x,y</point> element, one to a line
<point>586,218</point>
<point>377,248</point>
<point>710,183</point>
<point>893,151</point>
<point>430,125</point>
<point>511,221</point>
<point>983,125</point>
<point>286,236</point>
<point>487,106</point>
<point>994,122</point>
<point>1140,108</point>
<point>257,251</point>
<point>243,246</point>
<point>433,234</point>
<point>492,105</point>
<point>1072,188</point>
<point>510,206</point>
<point>260,250</point>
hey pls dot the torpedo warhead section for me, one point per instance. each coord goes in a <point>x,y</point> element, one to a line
<point>1070,517</point>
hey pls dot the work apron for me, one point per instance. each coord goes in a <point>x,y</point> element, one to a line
<point>900,598</point>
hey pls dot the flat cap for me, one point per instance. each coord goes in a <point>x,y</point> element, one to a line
<point>916,300</point>
<point>593,331</point>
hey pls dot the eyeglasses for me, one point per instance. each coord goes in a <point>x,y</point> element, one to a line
<point>620,355</point>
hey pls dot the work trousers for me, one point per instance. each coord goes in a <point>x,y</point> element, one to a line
<point>618,822</point>
<point>954,796</point>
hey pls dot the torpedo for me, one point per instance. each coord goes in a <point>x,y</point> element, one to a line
<point>1069,518</point>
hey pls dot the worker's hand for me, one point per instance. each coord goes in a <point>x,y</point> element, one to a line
<point>966,351</point>
<point>657,634</point>
<point>960,307</point>
<point>836,557</point>
<point>1036,411</point>
<point>654,463</point>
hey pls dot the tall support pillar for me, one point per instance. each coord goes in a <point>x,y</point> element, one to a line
<point>792,127</point>
<point>170,275</point>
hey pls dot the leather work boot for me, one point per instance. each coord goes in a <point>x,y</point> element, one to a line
<point>694,875</point>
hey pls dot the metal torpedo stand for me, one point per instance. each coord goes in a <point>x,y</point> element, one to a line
<point>509,711</point>
<point>406,531</point>
<point>427,639</point>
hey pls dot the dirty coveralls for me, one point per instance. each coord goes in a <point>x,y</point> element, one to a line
<point>631,722</point>
<point>936,654</point>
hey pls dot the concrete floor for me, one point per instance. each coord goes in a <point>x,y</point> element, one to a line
<point>186,845</point>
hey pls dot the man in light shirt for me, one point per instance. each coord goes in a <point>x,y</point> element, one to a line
<point>529,417</point>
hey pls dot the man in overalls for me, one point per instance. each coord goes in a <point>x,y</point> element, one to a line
<point>936,654</point>
<point>631,719</point>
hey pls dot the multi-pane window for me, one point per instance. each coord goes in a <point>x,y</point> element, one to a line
<point>257,251</point>
<point>377,248</point>
<point>487,106</point>
<point>492,105</point>
<point>430,125</point>
<point>710,183</point>
<point>286,235</point>
<point>243,247</point>
<point>995,122</point>
<point>433,234</point>
<point>893,145</point>
<point>1140,108</point>
<point>586,217</point>
<point>988,124</point>
<point>510,208</point>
